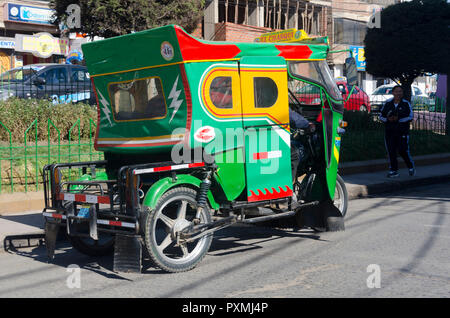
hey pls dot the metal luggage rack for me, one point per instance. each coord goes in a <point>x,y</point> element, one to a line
<point>100,195</point>
<point>117,205</point>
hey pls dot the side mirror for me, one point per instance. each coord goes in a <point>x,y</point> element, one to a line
<point>39,81</point>
<point>352,73</point>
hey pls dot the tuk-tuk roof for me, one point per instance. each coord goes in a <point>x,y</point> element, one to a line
<point>171,44</point>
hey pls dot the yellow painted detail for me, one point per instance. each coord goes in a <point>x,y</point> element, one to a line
<point>336,153</point>
<point>285,36</point>
<point>144,138</point>
<point>222,71</point>
<point>279,111</point>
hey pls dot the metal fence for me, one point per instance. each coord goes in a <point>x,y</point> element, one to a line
<point>364,139</point>
<point>21,163</point>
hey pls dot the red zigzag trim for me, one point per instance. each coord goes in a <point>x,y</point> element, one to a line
<point>268,195</point>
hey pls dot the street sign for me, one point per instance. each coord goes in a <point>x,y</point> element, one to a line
<point>28,14</point>
<point>358,54</point>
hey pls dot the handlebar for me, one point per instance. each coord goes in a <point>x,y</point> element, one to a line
<point>304,131</point>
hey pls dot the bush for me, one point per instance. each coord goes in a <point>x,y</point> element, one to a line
<point>18,114</point>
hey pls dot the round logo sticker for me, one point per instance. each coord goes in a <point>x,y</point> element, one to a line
<point>167,51</point>
<point>205,134</point>
<point>14,11</point>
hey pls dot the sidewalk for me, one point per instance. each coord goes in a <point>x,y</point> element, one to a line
<point>364,184</point>
<point>359,185</point>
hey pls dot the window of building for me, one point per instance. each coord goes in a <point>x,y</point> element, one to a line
<point>349,32</point>
<point>221,93</point>
<point>266,92</point>
<point>138,99</point>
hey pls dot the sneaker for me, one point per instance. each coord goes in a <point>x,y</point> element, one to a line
<point>393,174</point>
<point>412,172</point>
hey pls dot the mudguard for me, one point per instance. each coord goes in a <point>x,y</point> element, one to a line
<point>161,186</point>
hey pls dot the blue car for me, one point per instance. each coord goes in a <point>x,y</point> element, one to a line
<point>59,83</point>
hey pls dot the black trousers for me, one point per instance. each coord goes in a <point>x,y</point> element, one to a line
<point>398,144</point>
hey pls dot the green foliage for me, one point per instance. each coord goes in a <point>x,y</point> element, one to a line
<point>414,38</point>
<point>108,18</point>
<point>18,114</point>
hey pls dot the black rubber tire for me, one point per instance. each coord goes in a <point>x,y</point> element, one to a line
<point>151,218</point>
<point>340,182</point>
<point>80,245</point>
<point>90,249</point>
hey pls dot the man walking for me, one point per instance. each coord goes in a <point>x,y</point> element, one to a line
<point>397,114</point>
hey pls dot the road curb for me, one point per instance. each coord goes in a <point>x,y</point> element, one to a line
<point>363,191</point>
<point>14,203</point>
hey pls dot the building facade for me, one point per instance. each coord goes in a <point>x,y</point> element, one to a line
<point>245,20</point>
<point>27,35</point>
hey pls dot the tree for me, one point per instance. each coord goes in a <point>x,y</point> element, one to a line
<point>108,18</point>
<point>414,39</point>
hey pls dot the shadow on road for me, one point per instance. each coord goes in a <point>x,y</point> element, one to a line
<point>228,241</point>
<point>33,219</point>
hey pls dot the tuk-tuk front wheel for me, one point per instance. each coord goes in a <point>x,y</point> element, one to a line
<point>341,196</point>
<point>174,212</point>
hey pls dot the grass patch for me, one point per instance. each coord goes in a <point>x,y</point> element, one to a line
<point>21,168</point>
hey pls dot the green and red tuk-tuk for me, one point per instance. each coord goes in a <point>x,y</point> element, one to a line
<point>196,137</point>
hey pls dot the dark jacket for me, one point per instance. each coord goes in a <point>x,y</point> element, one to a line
<point>297,121</point>
<point>404,113</point>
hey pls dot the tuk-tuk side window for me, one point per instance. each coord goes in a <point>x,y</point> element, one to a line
<point>266,92</point>
<point>221,93</point>
<point>138,99</point>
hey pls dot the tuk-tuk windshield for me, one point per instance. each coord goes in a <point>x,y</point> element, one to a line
<point>318,72</point>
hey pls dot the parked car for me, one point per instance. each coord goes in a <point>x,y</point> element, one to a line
<point>359,100</point>
<point>419,100</point>
<point>61,83</point>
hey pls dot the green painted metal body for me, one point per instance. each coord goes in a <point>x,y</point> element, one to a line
<point>256,136</point>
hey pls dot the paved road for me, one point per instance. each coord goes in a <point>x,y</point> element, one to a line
<point>406,234</point>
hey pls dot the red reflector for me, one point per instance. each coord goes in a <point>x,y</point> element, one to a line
<point>115,223</point>
<point>56,216</point>
<point>163,168</point>
<point>104,200</point>
<point>198,164</point>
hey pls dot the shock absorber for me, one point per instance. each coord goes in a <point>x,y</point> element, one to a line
<point>202,194</point>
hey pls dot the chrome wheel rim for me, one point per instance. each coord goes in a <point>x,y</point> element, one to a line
<point>172,217</point>
<point>338,200</point>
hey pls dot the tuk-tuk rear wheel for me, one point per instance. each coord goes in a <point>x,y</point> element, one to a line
<point>173,212</point>
<point>101,247</point>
